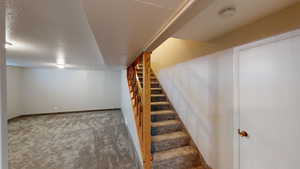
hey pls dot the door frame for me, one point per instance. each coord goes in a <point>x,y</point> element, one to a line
<point>236,89</point>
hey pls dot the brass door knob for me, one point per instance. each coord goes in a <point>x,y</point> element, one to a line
<point>243,133</point>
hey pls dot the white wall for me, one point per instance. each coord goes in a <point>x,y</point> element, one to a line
<point>14,85</point>
<point>201,91</point>
<point>59,90</point>
<point>129,114</point>
<point>3,113</point>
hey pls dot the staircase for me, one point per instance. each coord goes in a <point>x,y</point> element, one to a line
<point>171,146</point>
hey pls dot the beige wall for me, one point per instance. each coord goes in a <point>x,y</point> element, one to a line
<point>174,51</point>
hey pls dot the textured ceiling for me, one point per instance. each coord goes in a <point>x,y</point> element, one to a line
<point>123,27</point>
<point>101,34</point>
<point>208,24</point>
<point>43,31</point>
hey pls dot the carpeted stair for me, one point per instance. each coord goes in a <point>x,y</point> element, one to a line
<point>172,147</point>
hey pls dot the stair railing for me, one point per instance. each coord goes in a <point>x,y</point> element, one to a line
<point>141,103</point>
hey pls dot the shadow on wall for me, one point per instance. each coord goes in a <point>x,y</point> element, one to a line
<point>201,91</point>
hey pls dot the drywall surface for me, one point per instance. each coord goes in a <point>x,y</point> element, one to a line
<point>175,51</point>
<point>201,91</point>
<point>60,90</point>
<point>3,112</point>
<point>128,113</point>
<point>14,85</point>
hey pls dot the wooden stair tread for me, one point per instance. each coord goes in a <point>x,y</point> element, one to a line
<point>169,136</point>
<point>162,112</point>
<point>159,103</point>
<point>156,88</point>
<point>174,153</point>
<point>165,123</point>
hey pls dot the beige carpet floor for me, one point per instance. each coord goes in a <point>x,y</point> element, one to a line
<point>91,140</point>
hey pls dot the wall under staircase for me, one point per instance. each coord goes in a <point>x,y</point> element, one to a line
<point>128,114</point>
<point>201,92</point>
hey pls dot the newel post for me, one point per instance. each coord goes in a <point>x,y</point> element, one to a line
<point>147,110</point>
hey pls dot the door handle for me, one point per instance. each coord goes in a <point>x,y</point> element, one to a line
<point>243,133</point>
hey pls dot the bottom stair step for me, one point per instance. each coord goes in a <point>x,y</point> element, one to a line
<point>179,158</point>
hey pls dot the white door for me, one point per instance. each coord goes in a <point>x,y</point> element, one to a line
<point>269,105</point>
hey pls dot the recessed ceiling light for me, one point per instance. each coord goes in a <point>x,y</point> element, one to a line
<point>8,44</point>
<point>60,61</point>
<point>227,12</point>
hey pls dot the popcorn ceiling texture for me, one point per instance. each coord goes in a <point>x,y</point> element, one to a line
<point>94,140</point>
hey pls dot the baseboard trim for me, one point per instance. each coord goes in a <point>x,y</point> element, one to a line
<point>57,113</point>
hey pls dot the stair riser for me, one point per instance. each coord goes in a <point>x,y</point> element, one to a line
<point>162,117</point>
<point>156,85</point>
<point>152,79</point>
<point>169,144</point>
<point>158,99</point>
<point>140,74</point>
<point>165,129</point>
<point>182,162</point>
<point>160,107</point>
<point>155,91</point>
<point>140,71</point>
<point>153,85</point>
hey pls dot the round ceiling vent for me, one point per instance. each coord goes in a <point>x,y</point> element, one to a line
<point>227,12</point>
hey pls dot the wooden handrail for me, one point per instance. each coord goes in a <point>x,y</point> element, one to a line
<point>141,102</point>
